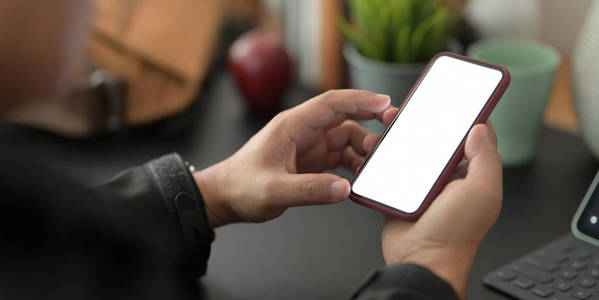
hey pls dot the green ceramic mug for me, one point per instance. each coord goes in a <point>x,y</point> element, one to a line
<point>518,116</point>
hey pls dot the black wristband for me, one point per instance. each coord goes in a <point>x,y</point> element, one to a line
<point>183,199</point>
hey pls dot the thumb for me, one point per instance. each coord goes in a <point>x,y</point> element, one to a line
<point>484,168</point>
<point>310,189</point>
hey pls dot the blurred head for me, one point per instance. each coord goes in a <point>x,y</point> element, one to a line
<point>38,41</point>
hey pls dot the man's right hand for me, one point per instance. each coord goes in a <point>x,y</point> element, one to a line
<point>284,164</point>
<point>446,238</point>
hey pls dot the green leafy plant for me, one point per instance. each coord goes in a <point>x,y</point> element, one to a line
<point>397,31</point>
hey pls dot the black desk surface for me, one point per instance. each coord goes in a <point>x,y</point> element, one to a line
<point>324,252</point>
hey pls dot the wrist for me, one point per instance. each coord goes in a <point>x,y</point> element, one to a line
<point>218,212</point>
<point>451,264</point>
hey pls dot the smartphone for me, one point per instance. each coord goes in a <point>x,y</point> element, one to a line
<point>420,149</point>
<point>585,222</point>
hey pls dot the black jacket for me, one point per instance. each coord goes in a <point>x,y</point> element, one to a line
<point>141,235</point>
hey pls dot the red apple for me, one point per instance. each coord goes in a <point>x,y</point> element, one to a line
<point>262,69</point>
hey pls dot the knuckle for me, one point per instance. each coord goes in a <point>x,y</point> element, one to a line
<point>281,116</point>
<point>324,97</point>
<point>366,93</point>
<point>281,119</point>
<point>331,92</point>
<point>363,94</point>
<point>350,124</point>
<point>309,189</point>
<point>493,156</point>
<point>351,127</point>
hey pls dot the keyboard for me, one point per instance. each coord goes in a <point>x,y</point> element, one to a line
<point>565,269</point>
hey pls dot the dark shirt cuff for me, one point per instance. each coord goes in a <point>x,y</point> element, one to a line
<point>404,281</point>
<point>184,201</point>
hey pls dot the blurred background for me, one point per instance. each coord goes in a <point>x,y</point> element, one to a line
<point>147,61</point>
<point>201,77</point>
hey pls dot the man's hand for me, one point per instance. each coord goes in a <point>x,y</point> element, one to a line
<point>446,238</point>
<point>281,165</point>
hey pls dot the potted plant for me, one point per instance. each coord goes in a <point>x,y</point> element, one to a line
<point>390,42</point>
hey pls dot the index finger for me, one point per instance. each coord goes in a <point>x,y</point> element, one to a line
<point>321,110</point>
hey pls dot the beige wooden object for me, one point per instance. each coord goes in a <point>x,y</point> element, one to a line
<point>161,48</point>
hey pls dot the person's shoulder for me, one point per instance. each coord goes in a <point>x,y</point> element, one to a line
<point>24,170</point>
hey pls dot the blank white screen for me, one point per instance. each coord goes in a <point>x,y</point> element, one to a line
<point>427,132</point>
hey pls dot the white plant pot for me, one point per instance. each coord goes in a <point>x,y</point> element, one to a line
<point>585,79</point>
<point>504,18</point>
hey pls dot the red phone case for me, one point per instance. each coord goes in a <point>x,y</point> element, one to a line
<point>455,159</point>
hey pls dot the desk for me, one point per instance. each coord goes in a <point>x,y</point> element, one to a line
<point>325,252</point>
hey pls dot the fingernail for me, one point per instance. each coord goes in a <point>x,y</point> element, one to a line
<point>485,133</point>
<point>383,96</point>
<point>339,190</point>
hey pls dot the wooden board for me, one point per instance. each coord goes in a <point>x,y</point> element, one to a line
<point>560,113</point>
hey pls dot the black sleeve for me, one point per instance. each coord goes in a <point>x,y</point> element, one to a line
<point>405,282</point>
<point>164,193</point>
<point>141,235</point>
